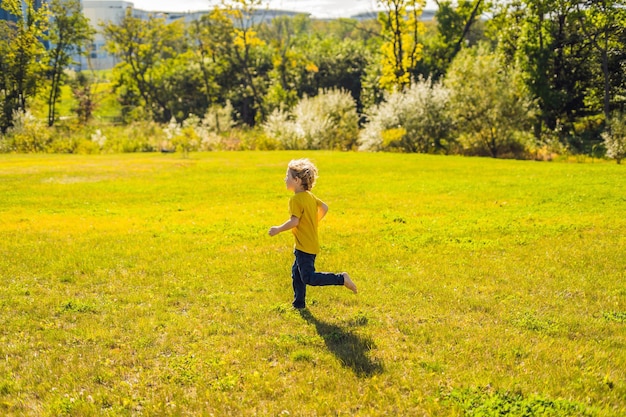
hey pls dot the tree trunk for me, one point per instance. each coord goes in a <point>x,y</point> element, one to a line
<point>54,91</point>
<point>466,29</point>
<point>607,79</point>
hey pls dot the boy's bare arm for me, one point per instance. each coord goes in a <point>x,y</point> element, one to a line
<point>321,211</point>
<point>288,225</point>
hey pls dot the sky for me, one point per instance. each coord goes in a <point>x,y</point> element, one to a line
<point>317,8</point>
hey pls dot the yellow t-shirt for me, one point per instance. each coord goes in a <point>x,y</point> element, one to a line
<point>304,206</point>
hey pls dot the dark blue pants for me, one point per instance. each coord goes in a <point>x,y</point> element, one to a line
<point>303,274</point>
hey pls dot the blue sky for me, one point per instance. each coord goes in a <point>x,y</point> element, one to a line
<point>318,8</point>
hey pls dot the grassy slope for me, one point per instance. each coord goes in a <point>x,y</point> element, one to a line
<point>147,284</point>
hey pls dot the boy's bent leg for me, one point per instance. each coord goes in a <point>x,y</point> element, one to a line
<point>299,287</point>
<point>306,265</point>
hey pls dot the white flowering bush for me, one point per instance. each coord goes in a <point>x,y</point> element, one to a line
<point>171,131</point>
<point>281,127</point>
<point>326,121</point>
<point>182,137</point>
<point>28,134</point>
<point>98,138</point>
<point>413,120</point>
<point>615,138</point>
<point>217,120</point>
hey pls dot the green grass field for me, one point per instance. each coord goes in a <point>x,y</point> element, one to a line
<point>146,284</point>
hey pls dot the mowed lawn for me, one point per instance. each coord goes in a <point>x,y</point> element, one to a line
<point>146,284</point>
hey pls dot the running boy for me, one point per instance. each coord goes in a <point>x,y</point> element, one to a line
<point>306,211</point>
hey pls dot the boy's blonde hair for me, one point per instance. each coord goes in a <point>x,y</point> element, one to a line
<point>305,170</point>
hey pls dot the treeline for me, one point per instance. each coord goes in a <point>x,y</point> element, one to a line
<point>521,78</point>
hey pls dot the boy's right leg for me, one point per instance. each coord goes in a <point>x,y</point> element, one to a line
<point>308,275</point>
<point>299,287</point>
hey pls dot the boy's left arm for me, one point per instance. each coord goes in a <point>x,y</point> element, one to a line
<point>322,209</point>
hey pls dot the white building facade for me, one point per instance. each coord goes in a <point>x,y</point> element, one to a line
<point>100,13</point>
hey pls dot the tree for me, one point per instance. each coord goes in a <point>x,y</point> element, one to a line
<point>234,60</point>
<point>457,25</point>
<point>307,61</point>
<point>289,61</point>
<point>85,102</point>
<point>22,56</point>
<point>490,105</point>
<point>70,32</point>
<point>544,40</point>
<point>338,64</point>
<point>402,49</point>
<point>603,23</point>
<point>246,58</point>
<point>155,62</point>
<point>211,38</point>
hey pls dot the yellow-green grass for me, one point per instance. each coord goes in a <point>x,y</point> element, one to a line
<point>146,284</point>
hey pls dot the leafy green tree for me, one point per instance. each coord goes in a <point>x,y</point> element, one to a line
<point>248,56</point>
<point>290,64</point>
<point>308,60</point>
<point>337,65</point>
<point>366,31</point>
<point>489,104</point>
<point>155,62</point>
<point>211,38</point>
<point>545,41</point>
<point>70,33</point>
<point>22,57</point>
<point>85,101</point>
<point>604,23</point>
<point>457,25</point>
<point>233,59</point>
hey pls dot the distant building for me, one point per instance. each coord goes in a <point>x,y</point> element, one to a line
<point>100,13</point>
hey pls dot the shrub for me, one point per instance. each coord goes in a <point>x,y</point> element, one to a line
<point>326,121</point>
<point>615,138</point>
<point>28,134</point>
<point>71,137</point>
<point>414,120</point>
<point>280,126</point>
<point>98,138</point>
<point>145,136</point>
<point>489,104</point>
<point>212,132</point>
<point>217,120</point>
<point>188,140</point>
<point>5,143</point>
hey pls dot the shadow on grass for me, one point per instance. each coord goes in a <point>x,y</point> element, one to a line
<point>351,349</point>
